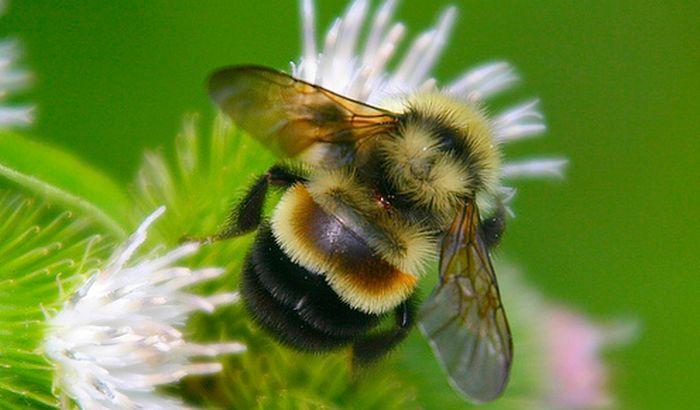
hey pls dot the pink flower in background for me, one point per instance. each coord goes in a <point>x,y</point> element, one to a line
<point>579,376</point>
<point>578,373</point>
<point>560,352</point>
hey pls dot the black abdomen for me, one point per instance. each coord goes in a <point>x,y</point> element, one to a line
<point>295,305</point>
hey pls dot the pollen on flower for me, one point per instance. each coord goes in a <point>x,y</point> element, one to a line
<point>117,338</point>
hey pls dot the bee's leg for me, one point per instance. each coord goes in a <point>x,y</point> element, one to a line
<point>372,347</point>
<point>492,228</point>
<point>246,215</point>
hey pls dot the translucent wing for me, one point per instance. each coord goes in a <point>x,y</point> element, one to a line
<point>290,115</point>
<point>463,318</point>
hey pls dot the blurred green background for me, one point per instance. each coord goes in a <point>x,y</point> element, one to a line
<point>619,83</point>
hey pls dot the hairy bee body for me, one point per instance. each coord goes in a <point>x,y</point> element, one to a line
<point>348,242</point>
<point>376,196</point>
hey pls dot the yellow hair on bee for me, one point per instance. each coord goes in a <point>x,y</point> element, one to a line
<point>418,168</point>
<point>373,293</point>
<point>404,245</point>
<point>287,233</point>
<point>434,177</point>
<point>475,127</point>
<point>336,187</point>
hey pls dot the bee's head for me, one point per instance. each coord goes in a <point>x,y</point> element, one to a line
<point>443,153</point>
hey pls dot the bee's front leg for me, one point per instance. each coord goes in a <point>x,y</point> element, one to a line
<point>246,215</point>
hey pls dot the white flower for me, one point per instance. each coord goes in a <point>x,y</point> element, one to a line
<point>117,338</point>
<point>11,80</point>
<point>359,72</point>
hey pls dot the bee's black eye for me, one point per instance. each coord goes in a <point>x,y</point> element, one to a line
<point>449,139</point>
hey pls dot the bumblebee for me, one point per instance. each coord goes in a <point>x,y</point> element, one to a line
<point>370,198</point>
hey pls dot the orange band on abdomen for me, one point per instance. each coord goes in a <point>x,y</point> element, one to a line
<point>322,243</point>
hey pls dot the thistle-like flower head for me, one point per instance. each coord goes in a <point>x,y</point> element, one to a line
<point>356,69</point>
<point>117,338</point>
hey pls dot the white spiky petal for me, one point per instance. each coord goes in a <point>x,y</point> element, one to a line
<point>11,80</point>
<point>358,71</point>
<point>118,337</point>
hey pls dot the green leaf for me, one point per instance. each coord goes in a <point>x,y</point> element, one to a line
<point>60,177</point>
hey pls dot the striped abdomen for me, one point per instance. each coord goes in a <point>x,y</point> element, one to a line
<point>327,245</point>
